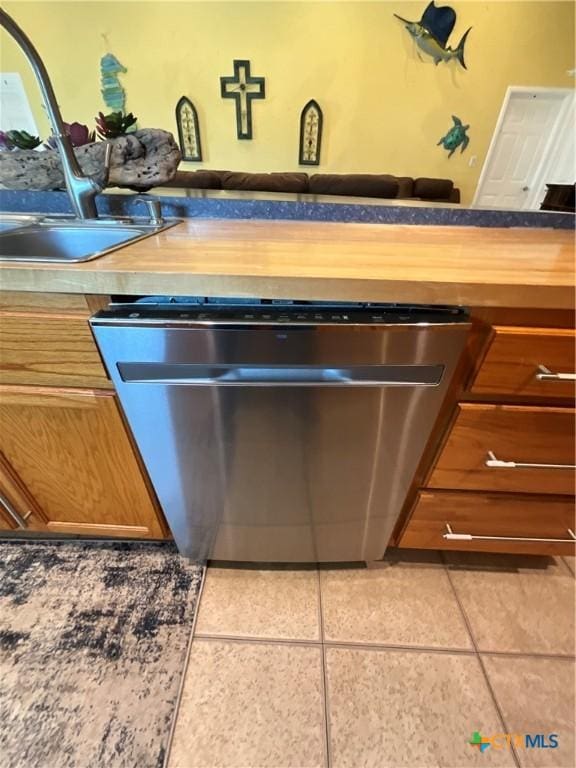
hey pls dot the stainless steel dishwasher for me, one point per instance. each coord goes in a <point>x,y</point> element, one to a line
<point>277,433</point>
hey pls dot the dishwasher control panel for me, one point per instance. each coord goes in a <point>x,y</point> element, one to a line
<point>242,312</point>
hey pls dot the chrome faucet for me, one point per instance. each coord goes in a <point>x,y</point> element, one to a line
<point>82,189</point>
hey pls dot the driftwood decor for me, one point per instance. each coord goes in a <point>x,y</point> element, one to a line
<point>140,160</point>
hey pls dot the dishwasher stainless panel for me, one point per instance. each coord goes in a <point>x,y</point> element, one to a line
<point>280,442</point>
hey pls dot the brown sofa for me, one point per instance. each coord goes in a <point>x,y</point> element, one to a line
<point>347,184</point>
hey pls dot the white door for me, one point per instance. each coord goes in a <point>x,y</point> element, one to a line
<point>533,122</point>
<point>561,168</point>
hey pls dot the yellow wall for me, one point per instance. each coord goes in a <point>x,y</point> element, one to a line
<point>384,108</point>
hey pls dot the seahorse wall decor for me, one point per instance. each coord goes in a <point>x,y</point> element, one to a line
<point>112,92</point>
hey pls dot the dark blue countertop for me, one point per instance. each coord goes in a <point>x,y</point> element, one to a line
<point>214,204</point>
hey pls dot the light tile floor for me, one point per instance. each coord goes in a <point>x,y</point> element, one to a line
<point>391,666</point>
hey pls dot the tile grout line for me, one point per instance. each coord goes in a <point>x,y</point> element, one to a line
<point>247,639</point>
<point>480,660</point>
<point>368,646</point>
<point>184,672</point>
<point>362,646</point>
<point>328,751</point>
<point>532,655</point>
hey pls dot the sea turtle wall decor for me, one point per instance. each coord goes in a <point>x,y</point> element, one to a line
<point>455,137</point>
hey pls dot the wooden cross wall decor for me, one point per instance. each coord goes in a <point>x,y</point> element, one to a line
<point>243,88</point>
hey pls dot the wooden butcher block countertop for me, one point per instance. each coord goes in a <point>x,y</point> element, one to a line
<point>326,261</point>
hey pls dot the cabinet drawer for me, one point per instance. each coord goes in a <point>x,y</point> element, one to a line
<point>484,435</point>
<point>44,303</point>
<point>32,302</point>
<point>512,363</point>
<point>510,516</point>
<point>49,351</point>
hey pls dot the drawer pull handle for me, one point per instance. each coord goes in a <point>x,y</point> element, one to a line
<point>451,536</point>
<point>545,374</point>
<point>16,516</point>
<point>495,463</point>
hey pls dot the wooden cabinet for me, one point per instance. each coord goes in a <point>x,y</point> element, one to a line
<point>517,358</point>
<point>4,524</point>
<point>491,522</point>
<point>508,448</point>
<point>18,510</point>
<point>30,302</point>
<point>70,450</point>
<point>52,351</point>
<point>503,476</point>
<point>67,461</point>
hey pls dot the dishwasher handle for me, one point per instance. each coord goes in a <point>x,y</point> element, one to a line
<point>240,375</point>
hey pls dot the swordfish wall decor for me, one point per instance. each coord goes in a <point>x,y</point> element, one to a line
<point>243,88</point>
<point>431,33</point>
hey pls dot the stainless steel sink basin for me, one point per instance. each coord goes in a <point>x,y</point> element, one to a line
<point>15,221</point>
<point>67,240</point>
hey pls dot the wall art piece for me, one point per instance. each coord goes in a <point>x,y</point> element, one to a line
<point>112,92</point>
<point>188,130</point>
<point>311,120</point>
<point>431,33</point>
<point>243,88</point>
<point>455,137</point>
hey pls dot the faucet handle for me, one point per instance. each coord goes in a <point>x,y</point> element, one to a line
<point>154,209</point>
<point>107,163</point>
<point>100,180</point>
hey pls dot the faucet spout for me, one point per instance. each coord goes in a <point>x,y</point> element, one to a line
<point>82,189</point>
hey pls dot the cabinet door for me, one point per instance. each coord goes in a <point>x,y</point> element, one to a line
<point>71,451</point>
<point>18,510</point>
<point>4,524</point>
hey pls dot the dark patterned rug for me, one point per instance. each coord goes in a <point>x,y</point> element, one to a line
<point>93,641</point>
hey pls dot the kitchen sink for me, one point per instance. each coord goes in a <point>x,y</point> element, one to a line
<point>15,221</point>
<point>69,240</point>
